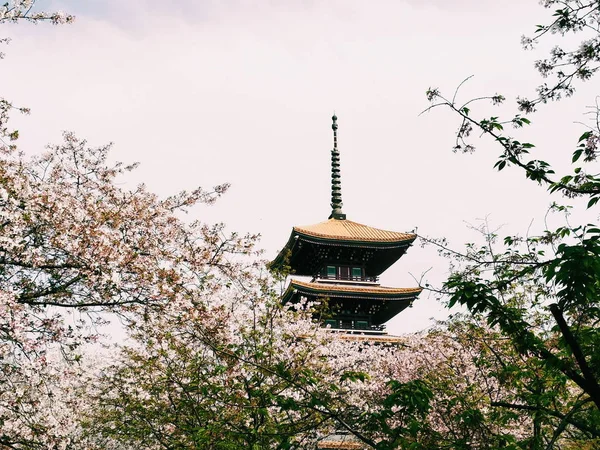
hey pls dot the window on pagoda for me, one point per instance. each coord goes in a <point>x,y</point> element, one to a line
<point>331,272</point>
<point>343,273</point>
<point>332,323</point>
<point>361,325</point>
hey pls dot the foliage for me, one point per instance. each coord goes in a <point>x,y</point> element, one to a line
<point>219,377</point>
<point>282,382</point>
<point>258,375</point>
<point>214,361</point>
<point>75,246</point>
<point>541,292</point>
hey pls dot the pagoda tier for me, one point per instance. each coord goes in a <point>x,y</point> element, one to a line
<point>359,307</point>
<point>343,242</point>
<point>344,260</point>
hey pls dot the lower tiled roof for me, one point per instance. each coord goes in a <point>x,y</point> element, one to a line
<point>382,338</point>
<point>326,288</point>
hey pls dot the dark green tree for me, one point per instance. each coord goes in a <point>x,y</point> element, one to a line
<point>542,292</point>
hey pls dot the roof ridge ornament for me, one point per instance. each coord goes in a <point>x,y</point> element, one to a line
<point>336,184</point>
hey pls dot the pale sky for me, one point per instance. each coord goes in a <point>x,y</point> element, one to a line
<point>205,92</point>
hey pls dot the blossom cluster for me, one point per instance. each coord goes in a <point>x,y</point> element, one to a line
<point>15,10</point>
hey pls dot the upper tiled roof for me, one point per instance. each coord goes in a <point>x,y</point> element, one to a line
<point>352,231</point>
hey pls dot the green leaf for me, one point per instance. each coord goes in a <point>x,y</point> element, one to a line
<point>354,376</point>
<point>585,135</point>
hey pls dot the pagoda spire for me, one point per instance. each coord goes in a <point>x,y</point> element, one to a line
<point>336,184</point>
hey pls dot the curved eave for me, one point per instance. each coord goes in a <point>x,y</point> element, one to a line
<point>296,236</point>
<point>279,259</point>
<point>347,242</point>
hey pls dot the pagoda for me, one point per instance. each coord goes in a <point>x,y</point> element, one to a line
<point>343,261</point>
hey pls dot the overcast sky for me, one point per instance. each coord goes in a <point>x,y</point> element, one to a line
<point>205,92</point>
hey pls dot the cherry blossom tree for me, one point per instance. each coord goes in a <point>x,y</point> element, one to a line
<point>260,375</point>
<point>222,377</point>
<point>74,247</point>
<point>481,376</point>
<point>214,361</point>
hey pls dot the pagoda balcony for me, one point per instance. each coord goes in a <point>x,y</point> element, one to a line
<point>374,332</point>
<point>350,278</point>
<point>353,326</point>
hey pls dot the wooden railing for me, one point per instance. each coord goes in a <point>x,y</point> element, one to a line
<point>349,278</point>
<point>344,325</point>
